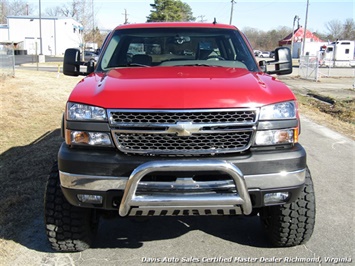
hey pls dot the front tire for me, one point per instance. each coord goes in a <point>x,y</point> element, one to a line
<point>69,228</point>
<point>291,224</point>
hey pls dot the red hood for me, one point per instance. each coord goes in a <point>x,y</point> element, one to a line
<point>179,88</point>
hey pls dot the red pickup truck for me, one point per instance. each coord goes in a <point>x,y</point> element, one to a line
<point>179,119</point>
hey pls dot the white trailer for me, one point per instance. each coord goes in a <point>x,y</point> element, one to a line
<point>339,54</point>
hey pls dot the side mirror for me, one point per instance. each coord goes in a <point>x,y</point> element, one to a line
<point>71,63</point>
<point>282,62</point>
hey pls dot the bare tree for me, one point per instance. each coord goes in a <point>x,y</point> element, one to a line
<point>54,12</point>
<point>83,12</point>
<point>3,11</point>
<point>349,29</point>
<point>266,40</point>
<point>14,8</point>
<point>335,29</point>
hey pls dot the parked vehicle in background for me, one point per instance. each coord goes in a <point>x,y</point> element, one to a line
<point>179,119</point>
<point>90,55</point>
<point>257,52</point>
<point>264,54</point>
<point>272,54</point>
<point>338,54</point>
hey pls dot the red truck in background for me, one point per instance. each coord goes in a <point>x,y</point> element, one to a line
<point>179,119</point>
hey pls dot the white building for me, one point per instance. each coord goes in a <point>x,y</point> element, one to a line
<point>312,44</point>
<point>57,34</point>
<point>4,32</point>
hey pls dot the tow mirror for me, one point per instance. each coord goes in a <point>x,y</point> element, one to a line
<point>282,62</point>
<point>72,63</point>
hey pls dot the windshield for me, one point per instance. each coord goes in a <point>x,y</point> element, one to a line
<point>149,47</point>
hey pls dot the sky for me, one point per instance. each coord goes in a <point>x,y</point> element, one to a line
<point>263,15</point>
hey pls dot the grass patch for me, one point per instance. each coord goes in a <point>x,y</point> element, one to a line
<point>343,110</point>
<point>338,115</point>
<point>32,104</point>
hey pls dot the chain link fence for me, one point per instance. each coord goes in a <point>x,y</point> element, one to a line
<point>315,68</point>
<point>309,67</point>
<point>7,60</point>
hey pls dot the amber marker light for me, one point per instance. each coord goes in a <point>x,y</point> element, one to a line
<point>295,135</point>
<point>68,137</point>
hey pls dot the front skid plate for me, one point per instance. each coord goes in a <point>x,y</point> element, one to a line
<point>185,211</point>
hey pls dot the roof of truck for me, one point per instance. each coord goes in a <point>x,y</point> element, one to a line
<point>175,24</point>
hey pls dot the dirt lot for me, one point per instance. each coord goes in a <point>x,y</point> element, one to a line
<point>31,108</point>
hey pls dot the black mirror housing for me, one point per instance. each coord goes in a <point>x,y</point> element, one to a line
<point>71,63</point>
<point>282,62</point>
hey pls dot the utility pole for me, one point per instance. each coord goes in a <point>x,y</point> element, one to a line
<point>93,21</point>
<point>125,16</point>
<point>305,30</point>
<point>231,16</point>
<point>41,57</point>
<point>293,32</point>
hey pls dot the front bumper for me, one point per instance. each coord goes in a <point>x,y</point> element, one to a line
<point>119,179</point>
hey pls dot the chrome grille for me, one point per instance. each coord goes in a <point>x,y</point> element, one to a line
<point>238,116</point>
<point>183,132</point>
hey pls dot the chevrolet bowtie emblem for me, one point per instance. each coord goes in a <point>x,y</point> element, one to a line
<point>184,129</point>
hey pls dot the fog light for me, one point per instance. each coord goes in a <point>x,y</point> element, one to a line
<point>273,137</point>
<point>80,137</point>
<point>87,138</point>
<point>274,198</point>
<point>93,199</point>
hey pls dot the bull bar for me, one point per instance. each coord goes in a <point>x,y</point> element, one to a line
<point>167,204</point>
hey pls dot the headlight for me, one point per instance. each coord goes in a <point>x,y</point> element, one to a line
<point>284,110</point>
<point>88,138</point>
<point>82,112</point>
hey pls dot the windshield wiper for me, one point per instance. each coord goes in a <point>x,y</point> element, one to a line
<point>137,64</point>
<point>205,65</point>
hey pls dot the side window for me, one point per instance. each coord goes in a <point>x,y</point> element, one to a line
<point>110,50</point>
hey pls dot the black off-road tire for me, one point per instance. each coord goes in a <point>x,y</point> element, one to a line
<point>69,228</point>
<point>291,224</point>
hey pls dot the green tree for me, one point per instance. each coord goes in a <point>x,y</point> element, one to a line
<point>170,10</point>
